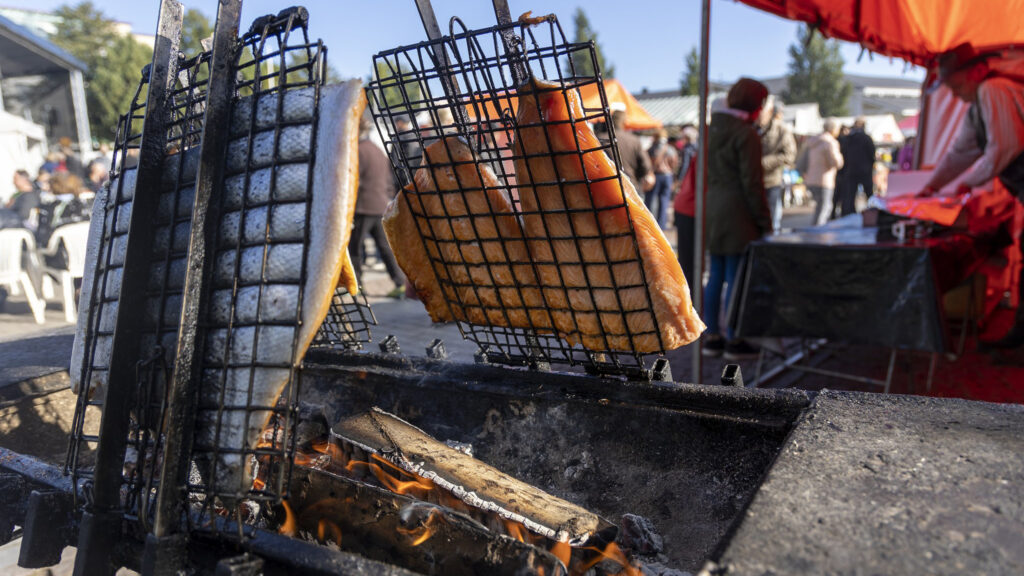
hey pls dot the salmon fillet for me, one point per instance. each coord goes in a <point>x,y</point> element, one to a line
<point>471,238</point>
<point>252,316</point>
<point>583,243</point>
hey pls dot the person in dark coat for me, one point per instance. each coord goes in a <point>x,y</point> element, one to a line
<point>376,189</point>
<point>635,161</point>
<point>858,167</point>
<point>737,211</point>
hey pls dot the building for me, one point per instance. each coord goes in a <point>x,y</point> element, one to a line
<point>44,24</point>
<point>40,85</point>
<point>871,95</point>
<point>672,109</point>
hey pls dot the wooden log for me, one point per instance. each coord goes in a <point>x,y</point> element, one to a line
<point>388,527</point>
<point>470,480</point>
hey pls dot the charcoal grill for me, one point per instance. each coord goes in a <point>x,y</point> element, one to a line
<point>621,440</point>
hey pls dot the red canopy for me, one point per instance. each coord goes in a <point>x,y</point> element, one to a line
<point>915,30</point>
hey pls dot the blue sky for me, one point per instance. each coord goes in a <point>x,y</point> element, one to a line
<point>645,39</point>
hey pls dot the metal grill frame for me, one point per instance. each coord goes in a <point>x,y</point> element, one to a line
<point>490,64</point>
<point>149,409</point>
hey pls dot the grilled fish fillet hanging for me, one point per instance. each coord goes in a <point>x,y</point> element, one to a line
<point>262,313</point>
<point>587,260</point>
<point>470,236</point>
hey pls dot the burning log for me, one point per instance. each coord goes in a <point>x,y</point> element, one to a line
<point>390,527</point>
<point>471,481</point>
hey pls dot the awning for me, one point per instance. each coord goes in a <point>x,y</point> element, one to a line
<point>915,30</point>
<point>636,117</point>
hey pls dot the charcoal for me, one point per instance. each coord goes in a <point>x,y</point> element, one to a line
<point>639,535</point>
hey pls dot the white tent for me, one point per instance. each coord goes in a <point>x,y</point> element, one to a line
<point>22,146</point>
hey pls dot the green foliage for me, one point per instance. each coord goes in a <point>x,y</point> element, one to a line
<point>816,74</point>
<point>691,76</point>
<point>195,28</point>
<point>581,61</point>
<point>391,87</point>
<point>113,63</point>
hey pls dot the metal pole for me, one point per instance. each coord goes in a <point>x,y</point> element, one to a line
<point>101,521</point>
<point>696,283</point>
<point>184,381</point>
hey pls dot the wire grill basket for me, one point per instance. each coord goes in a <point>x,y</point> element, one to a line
<point>530,272</point>
<point>260,202</point>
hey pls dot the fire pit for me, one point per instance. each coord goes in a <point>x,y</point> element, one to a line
<point>387,463</point>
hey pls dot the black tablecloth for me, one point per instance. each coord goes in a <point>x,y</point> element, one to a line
<point>844,283</point>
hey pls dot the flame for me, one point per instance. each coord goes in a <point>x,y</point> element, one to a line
<point>388,480</point>
<point>258,485</point>
<point>323,526</point>
<point>425,530</point>
<point>562,551</point>
<point>515,530</point>
<point>289,527</point>
<point>613,553</point>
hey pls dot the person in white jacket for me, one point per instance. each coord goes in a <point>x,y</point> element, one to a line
<point>823,163</point>
<point>990,143</point>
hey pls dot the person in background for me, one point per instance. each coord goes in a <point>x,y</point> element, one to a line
<point>858,150</point>
<point>26,200</point>
<point>405,149</point>
<point>988,144</point>
<point>905,157</point>
<point>376,189</point>
<point>683,205</point>
<point>53,163</point>
<point>67,207</point>
<point>778,152</point>
<point>96,175</point>
<point>664,162</point>
<point>823,163</point>
<point>737,212</point>
<point>635,162</point>
<point>72,162</point>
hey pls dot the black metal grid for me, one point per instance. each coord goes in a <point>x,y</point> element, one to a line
<point>467,84</point>
<point>348,322</point>
<point>258,267</point>
<point>278,73</point>
<point>112,213</point>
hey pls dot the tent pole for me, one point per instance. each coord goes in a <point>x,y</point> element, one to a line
<point>696,283</point>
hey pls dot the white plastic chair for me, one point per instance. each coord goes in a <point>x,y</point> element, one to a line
<point>74,237</point>
<point>13,243</point>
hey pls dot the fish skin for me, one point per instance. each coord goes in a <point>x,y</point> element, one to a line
<point>260,303</point>
<point>467,221</point>
<point>587,260</point>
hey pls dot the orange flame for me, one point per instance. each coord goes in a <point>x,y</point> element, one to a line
<point>323,526</point>
<point>425,530</point>
<point>562,551</point>
<point>515,530</point>
<point>289,527</point>
<point>613,553</point>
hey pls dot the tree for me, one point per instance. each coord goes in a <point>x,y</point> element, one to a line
<point>816,73</point>
<point>582,65</point>
<point>113,63</point>
<point>195,28</point>
<point>391,88</point>
<point>691,77</point>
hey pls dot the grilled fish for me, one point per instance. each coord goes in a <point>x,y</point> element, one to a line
<point>579,221</point>
<point>253,341</point>
<point>471,237</point>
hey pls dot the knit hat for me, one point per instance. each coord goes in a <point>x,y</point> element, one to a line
<point>747,95</point>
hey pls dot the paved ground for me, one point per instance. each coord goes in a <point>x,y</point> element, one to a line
<point>28,350</point>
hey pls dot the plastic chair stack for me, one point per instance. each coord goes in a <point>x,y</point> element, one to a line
<point>15,245</point>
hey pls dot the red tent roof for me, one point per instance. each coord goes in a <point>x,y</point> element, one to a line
<point>915,30</point>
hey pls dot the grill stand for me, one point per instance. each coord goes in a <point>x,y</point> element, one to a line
<point>101,522</point>
<point>165,549</point>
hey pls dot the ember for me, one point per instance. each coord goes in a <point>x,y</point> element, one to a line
<point>422,520</point>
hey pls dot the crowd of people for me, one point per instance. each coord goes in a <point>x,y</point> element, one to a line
<point>60,193</point>
<point>754,161</point>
